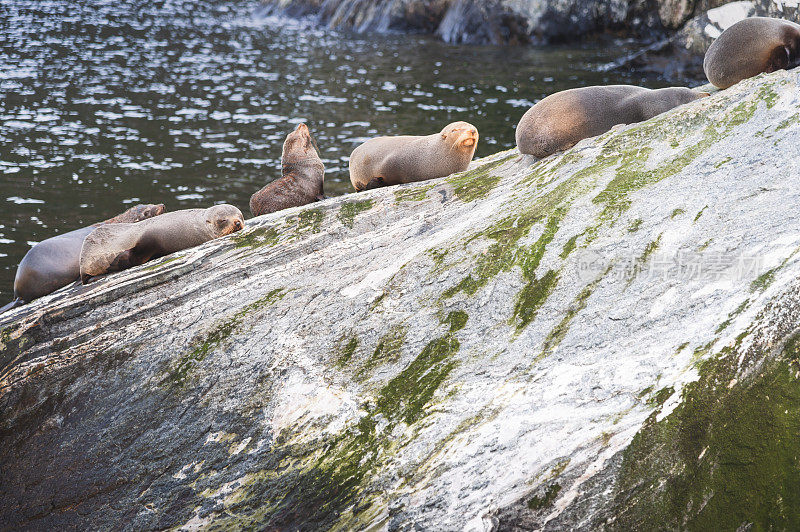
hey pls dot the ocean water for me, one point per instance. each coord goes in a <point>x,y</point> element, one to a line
<point>187,103</point>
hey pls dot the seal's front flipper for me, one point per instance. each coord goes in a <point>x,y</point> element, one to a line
<point>14,304</point>
<point>109,248</point>
<point>322,197</point>
<point>779,59</point>
<point>376,182</point>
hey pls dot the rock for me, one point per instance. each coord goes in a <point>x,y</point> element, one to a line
<point>698,34</point>
<point>478,21</point>
<point>522,21</point>
<point>603,338</point>
<point>681,56</point>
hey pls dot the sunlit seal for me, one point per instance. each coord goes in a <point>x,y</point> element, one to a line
<point>563,119</point>
<point>384,161</point>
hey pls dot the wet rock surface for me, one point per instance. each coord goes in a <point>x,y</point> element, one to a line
<point>605,338</point>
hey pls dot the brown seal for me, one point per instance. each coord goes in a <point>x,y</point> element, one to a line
<point>115,247</point>
<point>385,161</point>
<point>301,178</point>
<point>750,47</point>
<point>563,119</point>
<point>54,263</point>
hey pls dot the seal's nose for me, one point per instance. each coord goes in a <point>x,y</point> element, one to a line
<point>469,138</point>
<point>237,224</point>
<point>302,127</point>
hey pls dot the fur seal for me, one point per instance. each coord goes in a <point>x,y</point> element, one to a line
<point>561,120</point>
<point>301,180</point>
<point>54,263</point>
<point>750,47</point>
<point>116,247</point>
<point>385,161</point>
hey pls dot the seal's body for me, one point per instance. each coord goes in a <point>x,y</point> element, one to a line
<point>115,247</point>
<point>563,119</point>
<point>54,263</point>
<point>301,180</point>
<point>750,47</point>
<point>385,161</point>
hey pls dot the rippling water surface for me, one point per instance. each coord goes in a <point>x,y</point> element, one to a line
<point>105,104</point>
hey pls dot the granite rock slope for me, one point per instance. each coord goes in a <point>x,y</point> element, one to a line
<point>605,338</point>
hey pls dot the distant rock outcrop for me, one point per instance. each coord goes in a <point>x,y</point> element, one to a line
<point>681,55</point>
<point>679,31</point>
<point>605,338</point>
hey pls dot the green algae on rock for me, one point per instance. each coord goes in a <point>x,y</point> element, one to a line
<point>351,209</point>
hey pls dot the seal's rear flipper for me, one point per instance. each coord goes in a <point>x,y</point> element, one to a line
<point>14,304</point>
<point>109,248</point>
<point>779,59</point>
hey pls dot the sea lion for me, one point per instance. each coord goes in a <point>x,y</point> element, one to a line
<point>54,263</point>
<point>301,180</point>
<point>750,47</point>
<point>385,161</point>
<point>116,247</point>
<point>561,120</point>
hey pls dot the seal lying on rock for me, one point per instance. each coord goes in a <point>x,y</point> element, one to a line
<point>112,248</point>
<point>54,263</point>
<point>387,161</point>
<point>750,47</point>
<point>561,120</point>
<point>301,180</point>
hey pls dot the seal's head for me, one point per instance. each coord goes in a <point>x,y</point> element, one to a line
<point>299,145</point>
<point>461,136</point>
<point>137,213</point>
<point>149,211</point>
<point>224,220</point>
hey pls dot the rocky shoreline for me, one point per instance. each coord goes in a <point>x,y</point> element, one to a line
<point>675,33</point>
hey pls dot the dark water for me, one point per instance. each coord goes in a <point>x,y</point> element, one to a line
<point>105,104</point>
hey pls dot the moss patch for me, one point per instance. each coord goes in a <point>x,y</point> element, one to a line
<point>725,459</point>
<point>213,338</point>
<point>555,336</point>
<point>161,264</point>
<point>478,183</point>
<point>411,193</point>
<point>346,351</point>
<point>635,225</point>
<point>699,214</point>
<point>351,209</point>
<point>724,161</point>
<point>13,340</point>
<point>549,496</point>
<point>569,247</point>
<point>256,238</point>
<point>791,121</point>
<point>388,349</point>
<point>530,299</point>
<point>764,280</point>
<point>310,221</point>
<point>456,319</point>
<point>644,258</point>
<point>331,487</point>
